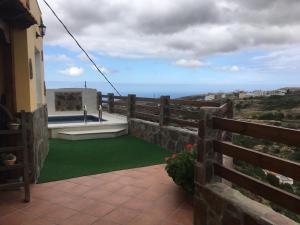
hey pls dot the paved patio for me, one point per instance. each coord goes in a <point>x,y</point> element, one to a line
<point>143,196</point>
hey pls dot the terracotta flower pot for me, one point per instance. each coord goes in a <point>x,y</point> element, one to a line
<point>8,162</point>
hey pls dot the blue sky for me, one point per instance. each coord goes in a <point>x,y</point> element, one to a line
<point>167,53</point>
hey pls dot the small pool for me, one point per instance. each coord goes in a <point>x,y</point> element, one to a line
<point>71,119</point>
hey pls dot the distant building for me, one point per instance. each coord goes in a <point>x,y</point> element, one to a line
<point>282,179</point>
<point>209,97</point>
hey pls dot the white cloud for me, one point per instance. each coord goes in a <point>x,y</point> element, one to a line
<point>83,56</point>
<point>58,58</point>
<point>191,63</point>
<point>72,71</point>
<point>105,70</point>
<point>232,69</point>
<point>174,29</point>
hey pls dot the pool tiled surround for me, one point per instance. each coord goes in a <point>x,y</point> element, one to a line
<point>142,196</point>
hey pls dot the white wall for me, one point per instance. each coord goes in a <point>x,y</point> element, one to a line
<point>89,98</point>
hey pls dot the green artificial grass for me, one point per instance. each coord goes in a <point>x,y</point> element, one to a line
<point>68,159</point>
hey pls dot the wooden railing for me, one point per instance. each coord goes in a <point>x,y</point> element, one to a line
<point>278,165</point>
<point>163,110</point>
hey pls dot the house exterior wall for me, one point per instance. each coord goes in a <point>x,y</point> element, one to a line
<point>26,49</point>
<point>25,43</point>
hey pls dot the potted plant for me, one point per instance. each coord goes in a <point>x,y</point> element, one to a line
<point>9,159</point>
<point>180,168</point>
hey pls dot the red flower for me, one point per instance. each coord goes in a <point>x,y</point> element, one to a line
<point>174,156</point>
<point>167,159</point>
<point>189,147</point>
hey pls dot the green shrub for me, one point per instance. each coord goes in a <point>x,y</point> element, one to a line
<point>270,116</point>
<point>181,168</point>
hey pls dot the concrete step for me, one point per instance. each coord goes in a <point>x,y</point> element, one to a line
<point>91,134</point>
<point>54,132</point>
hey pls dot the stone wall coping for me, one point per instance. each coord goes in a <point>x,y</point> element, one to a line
<point>259,212</point>
<point>173,128</point>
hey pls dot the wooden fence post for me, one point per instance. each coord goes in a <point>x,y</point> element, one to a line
<point>99,99</point>
<point>111,102</point>
<point>131,105</point>
<point>204,170</point>
<point>164,110</point>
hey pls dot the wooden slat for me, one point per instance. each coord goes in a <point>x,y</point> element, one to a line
<point>121,97</point>
<point>11,185</point>
<point>121,111</point>
<point>146,116</point>
<point>121,103</point>
<point>104,101</point>
<point>189,114</point>
<point>265,161</point>
<point>273,133</point>
<point>147,107</point>
<point>14,167</point>
<point>195,103</point>
<point>276,195</point>
<point>11,149</point>
<point>8,132</point>
<point>141,99</point>
<point>185,123</point>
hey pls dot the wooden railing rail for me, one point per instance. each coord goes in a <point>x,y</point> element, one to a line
<point>146,116</point>
<point>282,166</point>
<point>207,145</point>
<point>195,103</point>
<point>169,110</point>
<point>276,195</point>
<point>189,114</point>
<point>272,133</point>
<point>185,123</point>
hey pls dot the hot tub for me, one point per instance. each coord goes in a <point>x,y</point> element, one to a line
<point>72,119</point>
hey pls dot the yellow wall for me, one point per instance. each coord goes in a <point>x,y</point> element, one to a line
<point>25,43</point>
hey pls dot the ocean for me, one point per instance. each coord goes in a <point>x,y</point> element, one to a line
<point>156,90</point>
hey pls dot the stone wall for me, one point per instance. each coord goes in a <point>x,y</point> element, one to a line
<point>219,204</point>
<point>169,137</point>
<point>68,101</point>
<point>37,130</point>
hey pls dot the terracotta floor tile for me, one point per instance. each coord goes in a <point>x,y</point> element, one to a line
<point>64,185</point>
<point>100,210</point>
<point>130,191</point>
<point>182,216</point>
<point>115,199</point>
<point>39,221</point>
<point>79,219</point>
<point>145,220</point>
<point>16,218</point>
<point>80,204</point>
<point>145,196</point>
<point>40,208</point>
<point>138,204</point>
<point>6,209</point>
<point>121,216</point>
<point>112,186</point>
<point>150,195</point>
<point>59,214</point>
<point>126,180</point>
<point>105,222</point>
<point>96,194</point>
<point>78,190</point>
